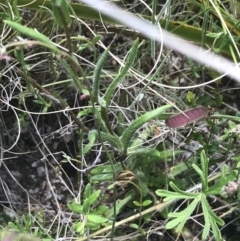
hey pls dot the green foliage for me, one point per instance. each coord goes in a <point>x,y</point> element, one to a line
<point>92,216</point>
<point>135,161</point>
<point>211,219</point>
<point>112,139</point>
<point>45,103</point>
<point>61,12</point>
<point>219,99</point>
<point>14,236</point>
<point>143,204</point>
<point>231,132</point>
<point>127,65</point>
<point>128,133</point>
<point>182,29</point>
<point>104,172</point>
<point>72,74</point>
<point>22,228</point>
<point>32,34</point>
<point>191,98</point>
<point>137,158</point>
<point>97,74</point>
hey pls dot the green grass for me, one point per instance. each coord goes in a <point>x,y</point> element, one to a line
<point>86,98</point>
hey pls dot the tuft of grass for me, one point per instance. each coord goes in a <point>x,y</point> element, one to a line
<point>84,101</point>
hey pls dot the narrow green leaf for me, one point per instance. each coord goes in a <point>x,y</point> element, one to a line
<point>180,218</point>
<point>61,12</point>
<point>223,180</point>
<point>229,117</point>
<point>200,173</point>
<point>75,207</point>
<point>97,74</point>
<point>72,74</point>
<point>207,220</point>
<point>101,102</point>
<point>87,191</point>
<point>179,191</point>
<point>112,139</point>
<point>146,203</point>
<point>214,217</point>
<point>215,189</point>
<point>149,152</point>
<point>216,232</point>
<point>94,196</point>
<point>31,33</point>
<point>133,225</point>
<point>102,177</point>
<point>178,169</point>
<point>79,227</point>
<point>100,122</point>
<point>173,195</point>
<point>92,226</point>
<point>96,39</point>
<point>211,220</point>
<point>15,9</point>
<point>96,218</point>
<point>224,171</point>
<point>219,99</point>
<point>136,203</point>
<point>105,168</point>
<point>205,231</point>
<point>129,61</point>
<point>128,133</point>
<point>100,210</point>
<point>121,122</point>
<point>86,206</point>
<point>204,164</point>
<point>92,135</point>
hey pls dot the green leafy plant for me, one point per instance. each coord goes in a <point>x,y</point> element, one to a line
<point>22,229</point>
<point>232,131</point>
<point>121,143</point>
<point>6,235</point>
<point>50,56</point>
<point>212,221</point>
<point>92,217</point>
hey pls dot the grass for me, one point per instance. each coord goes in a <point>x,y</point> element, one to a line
<point>85,150</point>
